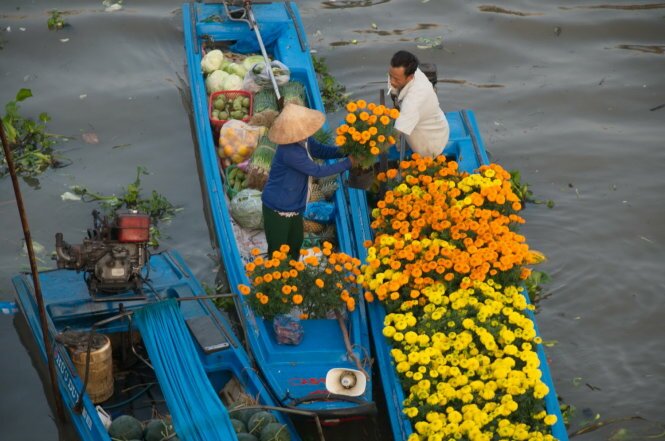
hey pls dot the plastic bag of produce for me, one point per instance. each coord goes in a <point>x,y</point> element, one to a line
<point>288,330</point>
<point>237,140</point>
<point>247,210</point>
<point>258,77</point>
<point>320,211</point>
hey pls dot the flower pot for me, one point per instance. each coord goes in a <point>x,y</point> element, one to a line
<point>361,178</point>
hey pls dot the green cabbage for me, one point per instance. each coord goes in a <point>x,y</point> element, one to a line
<point>237,69</point>
<point>233,82</point>
<point>250,61</point>
<point>215,81</point>
<point>212,61</point>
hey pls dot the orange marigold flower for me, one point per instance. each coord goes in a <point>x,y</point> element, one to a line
<point>351,107</point>
<point>244,289</point>
<point>351,118</point>
<point>351,303</point>
<point>374,150</point>
<point>267,278</point>
<point>384,120</point>
<point>361,104</point>
<point>284,248</point>
<point>286,289</point>
<point>264,299</point>
<point>364,116</point>
<point>250,267</point>
<point>340,141</point>
<point>394,113</point>
<point>371,106</point>
<point>369,296</point>
<point>319,283</point>
<point>297,299</point>
<point>391,140</point>
<point>255,251</point>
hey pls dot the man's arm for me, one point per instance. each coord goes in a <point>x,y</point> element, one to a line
<point>409,115</point>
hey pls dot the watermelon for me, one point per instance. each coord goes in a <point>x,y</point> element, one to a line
<point>259,420</point>
<point>239,426</point>
<point>238,410</point>
<point>275,432</point>
<point>157,430</point>
<point>126,428</point>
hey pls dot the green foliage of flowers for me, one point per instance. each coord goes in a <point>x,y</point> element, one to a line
<point>317,285</point>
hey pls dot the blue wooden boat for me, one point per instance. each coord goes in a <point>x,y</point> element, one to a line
<point>214,351</point>
<point>295,374</point>
<point>466,147</point>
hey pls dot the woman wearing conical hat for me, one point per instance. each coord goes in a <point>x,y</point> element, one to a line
<point>286,191</point>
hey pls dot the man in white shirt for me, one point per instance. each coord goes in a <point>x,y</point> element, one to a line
<point>421,119</point>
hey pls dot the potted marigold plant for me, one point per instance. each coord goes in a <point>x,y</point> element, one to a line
<point>366,133</point>
<point>329,279</point>
<point>321,283</point>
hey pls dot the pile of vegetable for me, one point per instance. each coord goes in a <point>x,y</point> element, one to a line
<point>259,164</point>
<point>225,107</point>
<point>223,74</point>
<point>236,180</point>
<point>128,428</point>
<point>257,425</point>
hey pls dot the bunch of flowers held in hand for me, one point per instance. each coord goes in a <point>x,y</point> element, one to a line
<point>367,131</point>
<point>323,281</point>
<point>448,264</point>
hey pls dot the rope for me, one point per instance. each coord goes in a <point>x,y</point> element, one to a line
<point>197,412</point>
<point>347,343</point>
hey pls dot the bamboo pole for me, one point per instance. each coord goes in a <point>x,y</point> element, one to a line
<point>35,277</point>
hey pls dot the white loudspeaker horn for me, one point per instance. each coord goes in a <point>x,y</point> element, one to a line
<point>344,381</point>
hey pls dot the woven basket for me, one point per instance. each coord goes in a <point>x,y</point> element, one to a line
<point>312,227</point>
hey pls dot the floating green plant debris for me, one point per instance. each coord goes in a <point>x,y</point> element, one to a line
<point>55,21</point>
<point>156,206</point>
<point>31,145</point>
<point>332,91</point>
<point>499,10</point>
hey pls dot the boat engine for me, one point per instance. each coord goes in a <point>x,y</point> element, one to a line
<point>112,255</point>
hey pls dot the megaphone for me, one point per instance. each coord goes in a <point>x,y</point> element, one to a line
<point>343,381</point>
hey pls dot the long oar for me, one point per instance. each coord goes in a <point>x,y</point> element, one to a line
<point>35,276</point>
<point>248,17</point>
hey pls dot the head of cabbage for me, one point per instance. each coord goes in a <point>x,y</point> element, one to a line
<point>215,81</point>
<point>212,61</point>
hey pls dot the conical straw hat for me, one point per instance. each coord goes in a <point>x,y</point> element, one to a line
<point>295,123</point>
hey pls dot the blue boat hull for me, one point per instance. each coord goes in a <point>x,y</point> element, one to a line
<point>466,147</point>
<point>295,374</point>
<point>70,307</point>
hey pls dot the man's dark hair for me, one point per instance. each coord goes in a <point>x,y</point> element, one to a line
<point>406,60</point>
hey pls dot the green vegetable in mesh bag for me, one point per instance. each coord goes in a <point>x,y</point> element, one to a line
<point>247,210</point>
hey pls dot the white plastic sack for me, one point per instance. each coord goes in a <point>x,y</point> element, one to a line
<point>247,208</point>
